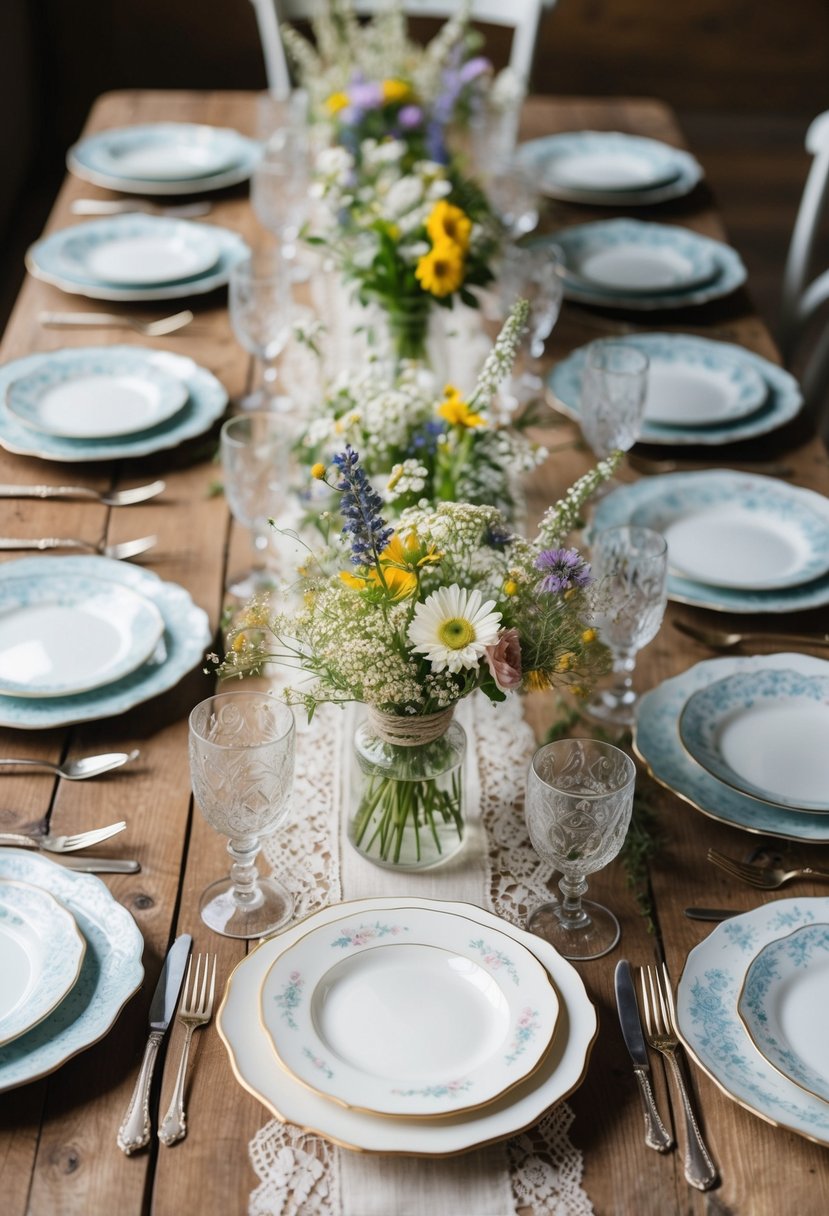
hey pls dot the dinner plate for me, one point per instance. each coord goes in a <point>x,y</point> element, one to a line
<point>618,508</point>
<point>617,247</point>
<point>41,952</point>
<point>609,168</point>
<point>765,733</point>
<point>698,380</point>
<point>69,633</point>
<point>206,401</point>
<point>110,973</point>
<point>91,399</point>
<point>258,1070</point>
<point>782,1005</point>
<point>188,158</point>
<point>63,258</point>
<point>710,1026</point>
<point>657,743</point>
<point>750,533</point>
<point>352,1010</point>
<point>134,251</point>
<point>180,649</point>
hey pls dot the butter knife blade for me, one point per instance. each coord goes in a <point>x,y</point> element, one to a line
<point>656,1135</point>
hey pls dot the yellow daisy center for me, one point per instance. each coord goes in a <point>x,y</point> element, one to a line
<point>456,633</point>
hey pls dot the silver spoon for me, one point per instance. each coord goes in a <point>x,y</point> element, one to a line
<point>79,770</point>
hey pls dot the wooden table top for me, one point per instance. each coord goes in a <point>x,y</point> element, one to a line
<point>57,1135</point>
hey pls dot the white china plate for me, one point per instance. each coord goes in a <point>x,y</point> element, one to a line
<point>135,251</point>
<point>352,1010</point>
<point>181,648</point>
<point>734,533</point>
<point>710,1025</point>
<point>190,158</point>
<point>649,496</point>
<point>258,1070</point>
<point>764,733</point>
<point>698,390</point>
<point>206,401</point>
<point>94,401</point>
<point>62,634</point>
<point>635,171</point>
<point>783,1006</point>
<point>41,952</point>
<point>657,743</point>
<point>110,973</point>
<point>640,269</point>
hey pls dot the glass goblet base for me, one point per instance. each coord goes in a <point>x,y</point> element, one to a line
<point>262,402</point>
<point>607,705</point>
<point>257,581</point>
<point>596,937</point>
<point>222,913</point>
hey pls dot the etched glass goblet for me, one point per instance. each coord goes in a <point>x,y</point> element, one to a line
<point>579,803</point>
<point>242,768</point>
<point>630,572</point>
<point>533,274</point>
<point>613,392</point>
<point>262,313</point>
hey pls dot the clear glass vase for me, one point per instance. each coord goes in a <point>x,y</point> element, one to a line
<point>407,800</point>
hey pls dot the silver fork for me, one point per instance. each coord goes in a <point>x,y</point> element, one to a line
<point>194,1011</point>
<point>62,844</point>
<point>660,1028</point>
<point>109,320</point>
<point>766,878</point>
<point>126,548</point>
<point>109,498</point>
<point>111,206</point>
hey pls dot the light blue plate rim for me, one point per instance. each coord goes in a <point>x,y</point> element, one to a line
<point>97,151</point>
<point>65,257</point>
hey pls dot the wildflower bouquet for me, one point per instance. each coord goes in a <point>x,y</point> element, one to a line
<point>447,602</point>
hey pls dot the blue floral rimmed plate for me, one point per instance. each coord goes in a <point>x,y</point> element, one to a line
<point>609,168</point>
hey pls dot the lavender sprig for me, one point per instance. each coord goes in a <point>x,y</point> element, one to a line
<point>360,507</point>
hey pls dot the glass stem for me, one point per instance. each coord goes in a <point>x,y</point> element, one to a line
<point>571,914</point>
<point>624,662</point>
<point>260,535</point>
<point>270,381</point>
<point>243,872</point>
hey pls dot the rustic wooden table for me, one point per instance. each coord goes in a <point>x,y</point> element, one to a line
<point>57,1136</point>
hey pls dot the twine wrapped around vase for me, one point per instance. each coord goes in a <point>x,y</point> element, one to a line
<point>411,731</point>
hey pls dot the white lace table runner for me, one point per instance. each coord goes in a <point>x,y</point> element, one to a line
<point>303,1175</point>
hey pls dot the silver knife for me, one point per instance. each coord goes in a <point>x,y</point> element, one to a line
<point>711,913</point>
<point>100,865</point>
<point>134,1132</point>
<point>656,1135</point>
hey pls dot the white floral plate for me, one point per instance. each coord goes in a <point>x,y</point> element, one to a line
<point>656,741</point>
<point>258,1070</point>
<point>413,1013</point>
<point>111,971</point>
<point>710,1025</point>
<point>764,733</point>
<point>41,952</point>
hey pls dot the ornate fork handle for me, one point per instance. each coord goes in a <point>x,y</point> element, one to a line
<point>656,1134</point>
<point>49,492</point>
<point>134,1132</point>
<point>10,543</point>
<point>811,872</point>
<point>173,1126</point>
<point>700,1170</point>
<point>14,838</point>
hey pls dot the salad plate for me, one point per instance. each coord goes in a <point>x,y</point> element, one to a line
<point>698,390</point>
<point>782,1006</point>
<point>645,499</point>
<point>258,1070</point>
<point>113,630</point>
<point>206,400</point>
<point>180,649</point>
<point>87,400</point>
<point>609,168</point>
<point>164,158</point>
<point>110,973</point>
<point>657,743</point>
<point>764,733</point>
<point>41,952</point>
<point>352,1008</point>
<point>711,1028</point>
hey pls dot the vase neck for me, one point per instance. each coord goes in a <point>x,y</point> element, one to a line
<point>409,730</point>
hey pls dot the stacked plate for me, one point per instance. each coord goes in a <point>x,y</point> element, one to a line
<point>105,403</point>
<point>737,542</point>
<point>744,741</point>
<point>88,637</point>
<point>609,169</point>
<point>70,957</point>
<point>750,1007</point>
<point>407,1025</point>
<point>699,391</point>
<point>635,265</point>
<point>135,258</point>
<point>164,158</point>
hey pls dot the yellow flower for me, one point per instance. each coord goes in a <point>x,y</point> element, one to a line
<point>457,412</point>
<point>395,91</point>
<point>396,562</point>
<point>510,587</point>
<point>565,661</point>
<point>448,223</point>
<point>318,471</point>
<point>336,102</point>
<point>537,681</point>
<point>440,271</point>
<point>588,636</point>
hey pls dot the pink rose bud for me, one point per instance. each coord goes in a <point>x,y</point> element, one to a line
<point>504,660</point>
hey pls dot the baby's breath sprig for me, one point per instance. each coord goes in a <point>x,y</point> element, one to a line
<point>501,358</point>
<point>560,519</point>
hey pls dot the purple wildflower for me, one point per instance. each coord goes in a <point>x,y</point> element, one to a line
<point>565,569</point>
<point>366,95</point>
<point>473,68</point>
<point>360,507</point>
<point>410,117</point>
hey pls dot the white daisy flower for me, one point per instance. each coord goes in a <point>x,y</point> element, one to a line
<point>453,627</point>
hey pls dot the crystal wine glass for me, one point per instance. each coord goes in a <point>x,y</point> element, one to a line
<point>613,393</point>
<point>513,193</point>
<point>261,312</point>
<point>279,190</point>
<point>630,570</point>
<point>241,766</point>
<point>532,274</point>
<point>579,802</point>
